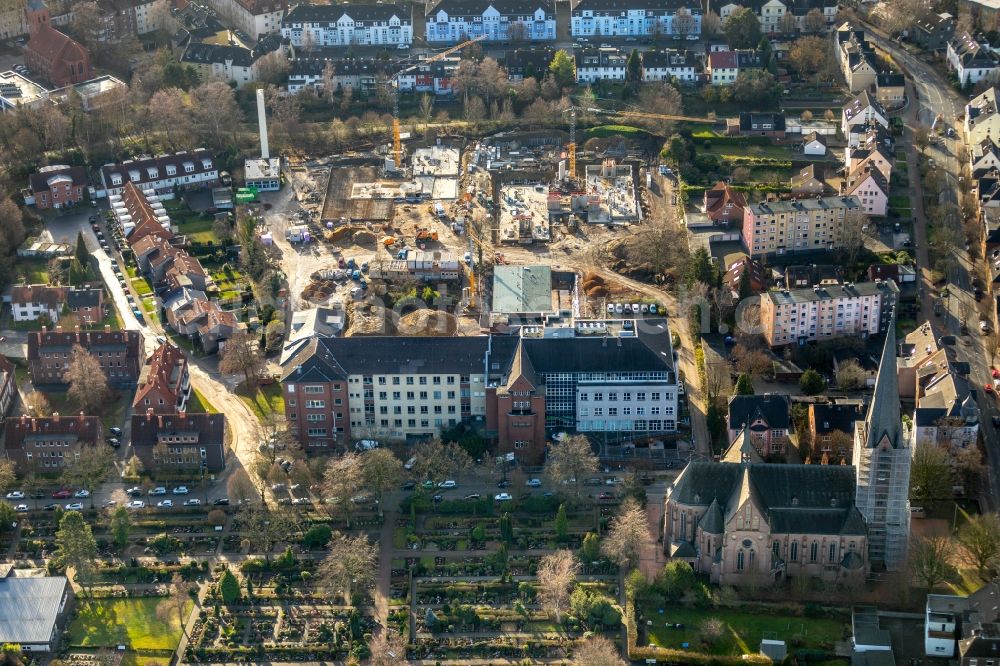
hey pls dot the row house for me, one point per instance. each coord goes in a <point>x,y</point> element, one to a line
<point>772,13</point>
<point>800,225</point>
<point>860,112</point>
<point>870,186</point>
<point>180,442</point>
<point>160,260</point>
<point>451,21</point>
<point>57,186</point>
<point>670,65</point>
<point>809,181</point>
<point>119,353</point>
<point>724,67</point>
<point>165,382</point>
<point>982,121</point>
<point>49,443</point>
<point>970,61</point>
<point>141,214</point>
<point>521,64</point>
<point>8,386</point>
<point>890,89</point>
<point>857,59</point>
<point>253,17</point>
<point>765,420</point>
<point>518,388</point>
<point>234,64</point>
<point>797,316</point>
<point>364,75</point>
<point>870,154</point>
<point>603,64</point>
<point>313,26</point>
<point>610,18</point>
<point>163,174</point>
<point>983,158</point>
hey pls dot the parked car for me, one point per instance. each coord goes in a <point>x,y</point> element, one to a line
<point>473,496</point>
<point>62,493</point>
<point>51,507</point>
<point>222,501</point>
<point>117,432</point>
<point>136,504</point>
<point>134,491</point>
<point>165,504</point>
<point>502,497</point>
<point>21,508</point>
<point>158,490</point>
<point>83,493</point>
<point>74,506</point>
<point>180,490</point>
<point>449,483</point>
<point>409,485</point>
<point>114,442</point>
<point>194,501</point>
<point>503,484</point>
<point>533,483</point>
<point>15,495</point>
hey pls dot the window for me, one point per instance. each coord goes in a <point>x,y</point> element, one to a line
<point>813,551</point>
<point>739,561</point>
<point>641,395</point>
<point>309,389</point>
<point>833,552</point>
<point>793,552</point>
<point>315,404</point>
<point>598,397</point>
<point>613,395</point>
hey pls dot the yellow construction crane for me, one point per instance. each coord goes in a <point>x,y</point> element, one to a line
<point>573,110</point>
<point>397,143</point>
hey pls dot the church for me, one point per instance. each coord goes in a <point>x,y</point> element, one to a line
<point>750,522</point>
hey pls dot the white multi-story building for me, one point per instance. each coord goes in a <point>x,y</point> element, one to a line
<point>670,64</point>
<point>254,17</point>
<point>971,61</point>
<point>771,13</point>
<point>450,21</point>
<point>162,173</point>
<point>309,26</point>
<point>797,316</point>
<point>645,18</point>
<point>233,64</point>
<point>982,121</point>
<point>604,64</point>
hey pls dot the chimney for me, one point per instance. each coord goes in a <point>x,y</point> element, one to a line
<point>107,328</point>
<point>55,417</point>
<point>262,124</point>
<point>58,328</point>
<point>149,414</point>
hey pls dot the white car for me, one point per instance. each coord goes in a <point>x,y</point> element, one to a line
<point>82,494</point>
<point>15,495</point>
<point>447,484</point>
<point>21,508</point>
<point>165,504</point>
<point>74,506</point>
<point>180,490</point>
<point>612,481</point>
<point>533,483</point>
<point>136,504</point>
<point>502,497</point>
<point>159,490</point>
<point>194,501</point>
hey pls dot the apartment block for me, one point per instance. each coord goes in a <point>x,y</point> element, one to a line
<point>165,382</point>
<point>970,61</point>
<point>449,21</point>
<point>670,64</point>
<point>254,17</point>
<point>308,26</point>
<point>180,442</point>
<point>797,316</point>
<point>119,353</point>
<point>646,18</point>
<point>982,121</point>
<point>801,225</point>
<point>47,444</point>
<point>163,173</point>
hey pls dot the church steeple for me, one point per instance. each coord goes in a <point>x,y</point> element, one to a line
<point>883,422</point>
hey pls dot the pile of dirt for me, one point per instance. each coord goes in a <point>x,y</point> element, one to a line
<point>427,322</point>
<point>593,285</point>
<point>318,291</point>
<point>370,318</point>
<point>363,237</point>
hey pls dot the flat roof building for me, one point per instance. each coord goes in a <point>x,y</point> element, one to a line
<point>32,610</point>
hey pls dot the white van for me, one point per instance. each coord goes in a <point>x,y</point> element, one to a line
<point>409,464</point>
<point>366,445</point>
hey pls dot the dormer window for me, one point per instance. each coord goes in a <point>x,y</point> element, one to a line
<point>171,170</point>
<point>134,176</point>
<point>153,172</point>
<point>189,167</point>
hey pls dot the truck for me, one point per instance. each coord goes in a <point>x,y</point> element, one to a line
<point>426,235</point>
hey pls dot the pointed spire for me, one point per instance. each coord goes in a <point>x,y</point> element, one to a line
<point>884,420</point>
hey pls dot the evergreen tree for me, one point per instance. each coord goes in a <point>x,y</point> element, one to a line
<point>746,288</point>
<point>506,529</point>
<point>563,68</point>
<point>743,29</point>
<point>811,382</point>
<point>82,254</point>
<point>590,550</point>
<point>561,524</point>
<point>229,587</point>
<point>633,67</point>
<point>744,385</point>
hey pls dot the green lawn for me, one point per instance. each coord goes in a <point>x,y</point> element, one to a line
<point>899,201</point>
<point>133,622</point>
<point>199,404</point>
<point>267,400</point>
<point>112,413</point>
<point>35,271</point>
<point>198,230</point>
<point>743,630</point>
<point>731,152</point>
<point>142,287</point>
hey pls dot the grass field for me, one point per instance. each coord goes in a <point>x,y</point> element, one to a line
<point>199,404</point>
<point>132,622</point>
<point>112,413</point>
<point>265,401</point>
<point>142,286</point>
<point>35,271</point>
<point>743,630</point>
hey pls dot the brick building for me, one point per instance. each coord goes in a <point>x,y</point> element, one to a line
<point>58,186</point>
<point>182,442</point>
<point>53,55</point>
<point>49,443</point>
<point>165,382</point>
<point>120,354</point>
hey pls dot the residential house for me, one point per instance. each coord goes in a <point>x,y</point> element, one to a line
<point>86,303</point>
<point>121,18</point>
<point>320,322</point>
<point>31,302</point>
<point>52,55</point>
<point>8,386</point>
<point>670,65</point>
<point>256,18</point>
<point>810,181</point>
<point>230,63</point>
<point>724,205</point>
<point>804,225</point>
<point>861,111</point>
<point>868,156</point>
<point>361,75</point>
<point>765,421</point>
<point>981,118</point>
<point>797,277</point>
<point>857,59</point>
<point>739,523</point>
<point>796,316</point>
<point>57,186</point>
<point>724,66</point>
<point>603,64</point>
<point>751,123</point>
<point>180,441</point>
<point>970,61</point>
<point>890,90</point>
<point>901,274</point>
<point>163,174</point>
<point>745,269</point>
<point>520,387</point>
<point>524,63</point>
<point>141,214</point>
<point>47,444</point>
<point>871,188</point>
<point>190,313</point>
<point>34,610</point>
<point>813,144</point>
<point>361,24</point>
<point>869,134</point>
<point>831,429</point>
<point>984,157</point>
<point>932,32</point>
<point>165,383</point>
<point>119,353</point>
<point>451,21</point>
<point>771,13</point>
<point>646,18</point>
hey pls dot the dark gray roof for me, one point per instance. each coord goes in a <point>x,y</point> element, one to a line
<point>652,7</point>
<point>83,297</point>
<point>669,58</point>
<point>206,54</point>
<point>551,355</point>
<point>829,417</point>
<point>713,522</point>
<point>751,121</point>
<point>29,608</point>
<point>359,12</point>
<point>884,419</point>
<point>505,7</point>
<point>773,409</point>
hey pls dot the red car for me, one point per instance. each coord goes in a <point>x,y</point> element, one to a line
<point>62,493</point>
<point>988,388</point>
<point>995,373</point>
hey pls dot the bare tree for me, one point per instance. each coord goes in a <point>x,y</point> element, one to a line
<point>931,561</point>
<point>175,604</point>
<point>381,471</point>
<point>388,648</point>
<point>241,354</point>
<point>556,574</point>
<point>751,359</point>
<point>437,461</point>
<point>597,651</point>
<point>349,565</point>
<point>979,537</point>
<point>850,375</point>
<point>240,488</point>
<point>569,460</point>
<point>852,234</point>
<point>627,535</point>
<point>7,475</point>
<point>341,481</point>
<point>88,387</point>
<point>90,467</point>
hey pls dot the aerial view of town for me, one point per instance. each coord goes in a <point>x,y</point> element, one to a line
<point>500,332</point>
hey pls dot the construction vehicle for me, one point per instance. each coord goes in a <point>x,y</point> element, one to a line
<point>426,235</point>
<point>397,142</point>
<point>573,112</point>
<point>389,241</point>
